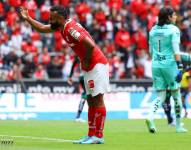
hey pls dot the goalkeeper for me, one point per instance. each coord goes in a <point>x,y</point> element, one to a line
<point>164,40</point>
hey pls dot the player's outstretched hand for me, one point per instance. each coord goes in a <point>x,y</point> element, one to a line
<point>23,12</point>
<point>70,81</point>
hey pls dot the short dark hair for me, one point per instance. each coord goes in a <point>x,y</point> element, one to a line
<point>163,17</point>
<point>61,10</point>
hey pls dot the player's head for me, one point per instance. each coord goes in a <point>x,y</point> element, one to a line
<point>58,15</point>
<point>166,16</point>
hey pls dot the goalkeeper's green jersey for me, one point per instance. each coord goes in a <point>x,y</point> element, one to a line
<point>161,39</point>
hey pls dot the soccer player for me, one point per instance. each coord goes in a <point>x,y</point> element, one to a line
<point>94,65</point>
<point>83,95</point>
<point>164,40</point>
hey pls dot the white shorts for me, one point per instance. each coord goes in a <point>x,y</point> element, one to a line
<point>97,80</point>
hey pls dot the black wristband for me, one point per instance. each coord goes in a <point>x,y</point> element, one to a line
<point>180,65</point>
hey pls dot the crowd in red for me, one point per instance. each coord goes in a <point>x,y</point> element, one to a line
<point>120,27</point>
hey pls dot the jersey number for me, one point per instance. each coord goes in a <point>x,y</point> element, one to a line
<point>159,45</point>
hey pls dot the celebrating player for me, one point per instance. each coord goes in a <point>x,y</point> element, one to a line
<point>164,40</point>
<point>93,62</point>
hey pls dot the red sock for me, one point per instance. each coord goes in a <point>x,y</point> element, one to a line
<point>100,115</point>
<point>91,121</point>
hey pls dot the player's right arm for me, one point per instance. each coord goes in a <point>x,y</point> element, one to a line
<point>34,23</point>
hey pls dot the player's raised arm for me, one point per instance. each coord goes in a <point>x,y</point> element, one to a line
<point>34,23</point>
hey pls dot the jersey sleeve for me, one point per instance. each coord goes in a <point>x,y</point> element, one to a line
<point>176,35</point>
<point>176,40</point>
<point>76,33</point>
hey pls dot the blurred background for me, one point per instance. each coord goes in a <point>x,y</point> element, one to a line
<point>31,62</point>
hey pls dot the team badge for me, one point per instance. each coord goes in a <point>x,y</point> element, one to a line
<point>74,33</point>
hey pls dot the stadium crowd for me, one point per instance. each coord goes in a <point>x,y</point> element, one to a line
<point>120,27</point>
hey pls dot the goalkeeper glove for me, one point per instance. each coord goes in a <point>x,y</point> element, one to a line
<point>180,71</point>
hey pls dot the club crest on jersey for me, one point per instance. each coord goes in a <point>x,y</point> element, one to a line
<point>74,33</point>
<point>91,84</point>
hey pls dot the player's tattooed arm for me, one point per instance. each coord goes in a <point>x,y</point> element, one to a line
<point>23,13</point>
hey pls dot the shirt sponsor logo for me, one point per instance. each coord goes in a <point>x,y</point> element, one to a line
<point>159,58</point>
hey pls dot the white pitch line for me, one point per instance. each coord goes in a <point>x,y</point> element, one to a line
<point>36,138</point>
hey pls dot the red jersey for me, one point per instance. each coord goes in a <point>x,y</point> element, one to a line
<point>74,34</point>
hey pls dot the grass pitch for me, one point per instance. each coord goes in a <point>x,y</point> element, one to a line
<point>119,135</point>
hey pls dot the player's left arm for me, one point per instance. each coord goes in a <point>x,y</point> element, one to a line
<point>176,43</point>
<point>176,49</point>
<point>179,56</point>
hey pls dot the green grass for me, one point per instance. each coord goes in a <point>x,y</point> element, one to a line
<point>119,135</point>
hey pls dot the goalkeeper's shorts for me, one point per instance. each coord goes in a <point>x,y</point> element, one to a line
<point>164,78</point>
